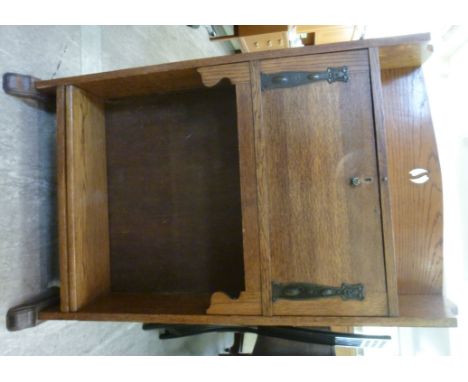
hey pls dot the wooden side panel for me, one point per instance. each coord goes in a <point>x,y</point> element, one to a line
<point>387,226</point>
<point>248,180</point>
<point>322,230</point>
<point>416,206</point>
<point>249,301</point>
<point>87,215</point>
<point>262,190</point>
<point>62,199</point>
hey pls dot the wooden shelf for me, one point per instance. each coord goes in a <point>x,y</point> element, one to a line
<point>415,311</point>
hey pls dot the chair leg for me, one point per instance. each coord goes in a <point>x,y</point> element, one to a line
<point>26,315</point>
<point>236,348</point>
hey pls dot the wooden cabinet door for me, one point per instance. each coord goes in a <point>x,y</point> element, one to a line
<point>322,231</point>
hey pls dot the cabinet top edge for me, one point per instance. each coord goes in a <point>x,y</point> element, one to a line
<point>414,39</point>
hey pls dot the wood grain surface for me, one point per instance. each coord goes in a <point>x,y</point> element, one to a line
<point>135,303</point>
<point>415,311</point>
<point>315,138</point>
<point>176,201</point>
<point>385,201</point>
<point>375,304</point>
<point>404,55</point>
<point>248,303</point>
<point>62,220</point>
<point>141,84</point>
<point>174,193</point>
<point>417,208</point>
<point>183,75</point>
<point>87,215</point>
<point>236,73</point>
<point>248,182</point>
<point>354,60</point>
<point>249,300</point>
<point>262,189</point>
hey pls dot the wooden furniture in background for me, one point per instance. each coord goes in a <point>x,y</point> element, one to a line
<point>213,192</point>
<point>255,38</point>
<point>327,34</point>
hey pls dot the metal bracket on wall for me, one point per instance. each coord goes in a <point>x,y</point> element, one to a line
<point>305,291</point>
<point>291,79</point>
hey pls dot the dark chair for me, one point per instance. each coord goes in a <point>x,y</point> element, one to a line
<point>273,340</point>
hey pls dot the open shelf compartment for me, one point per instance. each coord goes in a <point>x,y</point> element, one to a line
<point>152,198</point>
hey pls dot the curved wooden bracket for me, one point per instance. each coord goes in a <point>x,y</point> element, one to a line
<point>249,301</point>
<point>236,73</point>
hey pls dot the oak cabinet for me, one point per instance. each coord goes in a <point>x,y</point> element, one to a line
<point>272,188</point>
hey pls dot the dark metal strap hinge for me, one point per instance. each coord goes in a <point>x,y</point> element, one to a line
<point>305,291</point>
<point>290,79</point>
